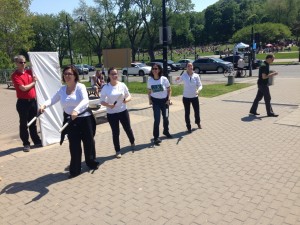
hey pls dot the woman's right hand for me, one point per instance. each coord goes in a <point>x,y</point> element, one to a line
<point>42,109</point>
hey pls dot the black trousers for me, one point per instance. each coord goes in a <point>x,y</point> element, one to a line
<point>81,129</point>
<point>262,92</point>
<point>27,110</point>
<point>187,105</point>
<point>123,118</point>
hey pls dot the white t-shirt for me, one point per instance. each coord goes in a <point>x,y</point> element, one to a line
<point>158,87</point>
<point>241,63</point>
<point>192,84</point>
<point>111,94</point>
<point>93,78</point>
<point>77,101</point>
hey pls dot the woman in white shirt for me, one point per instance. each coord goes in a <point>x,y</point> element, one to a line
<point>115,95</point>
<point>192,86</point>
<point>159,92</point>
<point>75,102</point>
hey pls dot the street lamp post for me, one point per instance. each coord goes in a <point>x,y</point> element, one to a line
<point>165,39</point>
<point>69,39</point>
<point>251,53</point>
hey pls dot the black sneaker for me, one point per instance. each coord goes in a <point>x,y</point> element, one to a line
<point>94,166</point>
<point>167,134</point>
<point>157,141</point>
<point>38,145</point>
<point>26,148</point>
<point>273,115</point>
<point>254,113</point>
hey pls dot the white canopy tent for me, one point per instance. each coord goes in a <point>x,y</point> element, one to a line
<point>238,46</point>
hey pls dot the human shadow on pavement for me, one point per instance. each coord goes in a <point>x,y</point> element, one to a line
<point>38,185</point>
<point>251,118</point>
<point>10,151</point>
<point>137,147</point>
<point>179,136</point>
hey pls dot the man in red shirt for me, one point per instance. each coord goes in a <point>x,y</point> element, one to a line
<point>24,83</point>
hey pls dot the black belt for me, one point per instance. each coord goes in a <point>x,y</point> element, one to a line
<point>26,99</point>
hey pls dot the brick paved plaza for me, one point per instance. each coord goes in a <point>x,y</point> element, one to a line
<point>238,169</point>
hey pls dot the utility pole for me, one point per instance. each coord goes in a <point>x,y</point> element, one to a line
<point>69,40</point>
<point>165,39</point>
<point>251,53</point>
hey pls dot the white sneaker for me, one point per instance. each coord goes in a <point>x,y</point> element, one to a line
<point>118,155</point>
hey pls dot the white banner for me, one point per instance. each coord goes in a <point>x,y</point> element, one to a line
<point>45,66</point>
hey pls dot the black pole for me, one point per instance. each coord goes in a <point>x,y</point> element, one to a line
<point>165,39</point>
<point>251,54</point>
<point>299,52</point>
<point>69,40</point>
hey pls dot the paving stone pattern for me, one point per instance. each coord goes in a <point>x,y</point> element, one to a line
<point>238,169</point>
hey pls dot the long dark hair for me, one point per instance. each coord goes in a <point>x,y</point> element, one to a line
<point>159,68</point>
<point>108,72</point>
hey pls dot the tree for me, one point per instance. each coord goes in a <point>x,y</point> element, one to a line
<point>269,33</point>
<point>93,28</point>
<point>152,17</point>
<point>15,33</point>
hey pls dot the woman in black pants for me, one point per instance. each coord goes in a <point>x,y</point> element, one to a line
<point>114,96</point>
<point>82,127</point>
<point>192,86</point>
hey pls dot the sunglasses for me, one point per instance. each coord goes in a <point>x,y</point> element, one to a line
<point>68,74</point>
<point>154,68</point>
<point>22,62</point>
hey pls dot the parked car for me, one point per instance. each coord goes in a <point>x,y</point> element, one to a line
<point>81,69</point>
<point>174,66</point>
<point>235,58</point>
<point>183,62</point>
<point>161,64</point>
<point>136,69</point>
<point>211,64</point>
<point>90,68</point>
<point>98,65</point>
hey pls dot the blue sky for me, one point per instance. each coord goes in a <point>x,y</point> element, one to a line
<point>55,6</point>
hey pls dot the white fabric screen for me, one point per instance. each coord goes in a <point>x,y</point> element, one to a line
<point>45,66</point>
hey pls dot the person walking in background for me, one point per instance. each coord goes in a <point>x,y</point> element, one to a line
<point>240,67</point>
<point>263,91</point>
<point>114,96</point>
<point>192,86</point>
<point>82,127</point>
<point>159,92</point>
<point>24,83</point>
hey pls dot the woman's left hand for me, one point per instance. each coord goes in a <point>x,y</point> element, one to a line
<point>74,115</point>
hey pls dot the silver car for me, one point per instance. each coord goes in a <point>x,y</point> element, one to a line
<point>211,64</point>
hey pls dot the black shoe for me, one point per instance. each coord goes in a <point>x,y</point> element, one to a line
<point>157,141</point>
<point>273,115</point>
<point>254,114</point>
<point>189,130</point>
<point>94,166</point>
<point>73,175</point>
<point>199,125</point>
<point>167,134</point>
<point>38,145</point>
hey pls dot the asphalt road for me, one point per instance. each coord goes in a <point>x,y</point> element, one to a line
<point>290,71</point>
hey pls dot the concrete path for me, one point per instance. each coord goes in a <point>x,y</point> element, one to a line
<point>238,169</point>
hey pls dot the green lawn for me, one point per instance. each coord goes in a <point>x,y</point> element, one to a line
<point>208,91</point>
